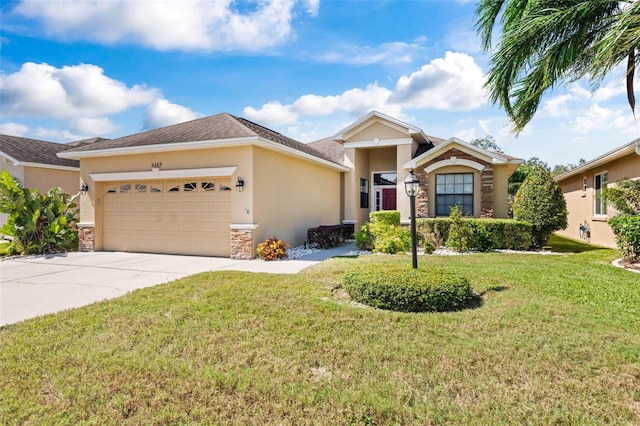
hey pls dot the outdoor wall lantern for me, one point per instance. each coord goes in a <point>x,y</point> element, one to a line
<point>239,185</point>
<point>412,186</point>
<point>84,188</point>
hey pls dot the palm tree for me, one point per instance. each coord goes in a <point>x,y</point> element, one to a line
<point>548,42</point>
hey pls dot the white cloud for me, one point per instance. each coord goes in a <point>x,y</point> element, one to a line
<point>450,83</point>
<point>217,25</point>
<point>56,135</point>
<point>558,106</point>
<point>93,126</point>
<point>387,53</point>
<point>13,129</point>
<point>272,113</point>
<point>162,113</point>
<point>353,101</point>
<point>597,119</point>
<point>80,91</point>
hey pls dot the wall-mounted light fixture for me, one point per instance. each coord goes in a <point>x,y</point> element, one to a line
<point>84,188</point>
<point>240,184</point>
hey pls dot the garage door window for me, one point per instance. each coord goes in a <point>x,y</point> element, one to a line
<point>156,188</point>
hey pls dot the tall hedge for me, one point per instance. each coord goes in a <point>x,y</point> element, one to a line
<point>540,202</point>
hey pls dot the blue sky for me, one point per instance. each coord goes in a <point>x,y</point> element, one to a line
<point>76,69</point>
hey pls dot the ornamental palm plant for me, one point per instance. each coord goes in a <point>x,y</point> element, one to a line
<point>548,42</point>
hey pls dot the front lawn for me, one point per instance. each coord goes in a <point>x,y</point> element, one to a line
<point>555,340</point>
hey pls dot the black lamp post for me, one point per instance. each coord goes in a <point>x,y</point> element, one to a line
<point>411,186</point>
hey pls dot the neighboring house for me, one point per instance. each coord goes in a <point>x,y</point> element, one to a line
<point>582,186</point>
<point>220,185</point>
<point>35,164</point>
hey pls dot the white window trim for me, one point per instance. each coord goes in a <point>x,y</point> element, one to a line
<point>374,188</point>
<point>595,194</point>
<point>163,174</point>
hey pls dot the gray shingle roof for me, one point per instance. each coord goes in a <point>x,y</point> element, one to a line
<point>215,127</point>
<point>35,151</point>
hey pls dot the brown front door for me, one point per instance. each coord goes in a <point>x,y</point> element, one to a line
<point>389,199</point>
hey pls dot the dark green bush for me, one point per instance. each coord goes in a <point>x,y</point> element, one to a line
<point>325,237</point>
<point>435,229</point>
<point>627,231</point>
<point>384,234</point>
<point>487,234</point>
<point>540,202</point>
<point>400,288</point>
<point>386,217</point>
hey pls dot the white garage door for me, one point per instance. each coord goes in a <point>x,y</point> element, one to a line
<point>178,216</point>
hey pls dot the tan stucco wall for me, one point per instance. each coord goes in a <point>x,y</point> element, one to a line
<point>501,191</point>
<point>375,130</point>
<point>580,206</point>
<point>292,195</point>
<point>45,179</point>
<point>240,157</point>
<point>359,158</point>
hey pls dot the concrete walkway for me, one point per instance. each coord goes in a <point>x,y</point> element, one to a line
<point>31,286</point>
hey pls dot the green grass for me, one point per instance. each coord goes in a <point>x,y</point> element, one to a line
<point>555,340</point>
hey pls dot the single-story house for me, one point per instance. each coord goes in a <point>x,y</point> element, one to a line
<point>220,185</point>
<point>582,186</point>
<point>35,164</point>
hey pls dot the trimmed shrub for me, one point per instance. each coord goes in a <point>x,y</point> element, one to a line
<point>272,249</point>
<point>399,288</point>
<point>391,239</point>
<point>364,237</point>
<point>627,231</point>
<point>384,234</point>
<point>385,217</point>
<point>325,237</point>
<point>487,234</point>
<point>540,202</point>
<point>435,230</point>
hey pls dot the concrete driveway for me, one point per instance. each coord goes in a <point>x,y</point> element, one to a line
<point>31,286</point>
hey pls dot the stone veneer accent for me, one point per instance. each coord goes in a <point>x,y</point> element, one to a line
<point>242,244</point>
<point>86,237</point>
<point>486,183</point>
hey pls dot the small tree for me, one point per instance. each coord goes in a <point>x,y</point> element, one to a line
<point>540,202</point>
<point>37,223</point>
<point>625,197</point>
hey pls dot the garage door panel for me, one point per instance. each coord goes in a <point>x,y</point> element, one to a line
<point>168,217</point>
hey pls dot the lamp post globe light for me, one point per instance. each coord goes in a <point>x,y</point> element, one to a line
<point>411,187</point>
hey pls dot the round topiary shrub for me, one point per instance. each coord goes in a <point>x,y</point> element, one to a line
<point>400,288</point>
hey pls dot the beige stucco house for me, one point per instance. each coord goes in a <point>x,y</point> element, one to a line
<point>583,185</point>
<point>35,164</point>
<point>220,185</point>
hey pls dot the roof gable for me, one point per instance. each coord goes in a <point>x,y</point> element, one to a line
<point>482,154</point>
<point>215,130</point>
<point>33,152</point>
<point>378,118</point>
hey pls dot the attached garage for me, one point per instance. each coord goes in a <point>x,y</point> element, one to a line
<point>215,186</point>
<point>173,216</point>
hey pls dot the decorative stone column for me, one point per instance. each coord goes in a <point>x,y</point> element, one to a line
<point>86,236</point>
<point>242,241</point>
<point>486,192</point>
<point>422,199</point>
